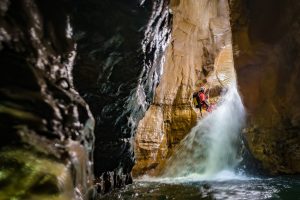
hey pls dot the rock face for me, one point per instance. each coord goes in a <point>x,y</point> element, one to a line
<point>120,48</point>
<point>266,54</point>
<point>200,34</point>
<point>46,128</point>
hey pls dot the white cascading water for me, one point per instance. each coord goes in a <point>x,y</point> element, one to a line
<point>212,145</point>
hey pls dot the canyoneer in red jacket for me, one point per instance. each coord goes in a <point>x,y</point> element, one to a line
<point>203,100</point>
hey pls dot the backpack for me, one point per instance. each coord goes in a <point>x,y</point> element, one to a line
<point>196,100</point>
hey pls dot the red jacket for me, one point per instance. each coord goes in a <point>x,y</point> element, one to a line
<point>202,97</point>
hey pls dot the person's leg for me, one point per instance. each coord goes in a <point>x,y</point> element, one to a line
<point>200,107</point>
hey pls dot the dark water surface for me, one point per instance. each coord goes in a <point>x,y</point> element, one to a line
<point>286,188</point>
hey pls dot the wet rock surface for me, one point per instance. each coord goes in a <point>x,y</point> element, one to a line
<point>266,53</point>
<point>120,48</point>
<point>46,127</point>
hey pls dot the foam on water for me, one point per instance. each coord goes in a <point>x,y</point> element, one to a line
<point>222,176</point>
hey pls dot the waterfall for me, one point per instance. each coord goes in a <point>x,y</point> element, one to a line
<point>212,145</point>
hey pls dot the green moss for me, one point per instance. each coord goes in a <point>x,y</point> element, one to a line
<point>25,175</point>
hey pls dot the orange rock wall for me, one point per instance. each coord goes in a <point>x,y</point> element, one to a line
<point>200,30</point>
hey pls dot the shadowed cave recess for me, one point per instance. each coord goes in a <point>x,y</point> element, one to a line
<point>90,88</point>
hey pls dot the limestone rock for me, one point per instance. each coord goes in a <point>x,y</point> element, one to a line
<point>200,49</point>
<point>266,54</point>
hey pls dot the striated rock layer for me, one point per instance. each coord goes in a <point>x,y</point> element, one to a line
<point>267,60</point>
<point>199,54</point>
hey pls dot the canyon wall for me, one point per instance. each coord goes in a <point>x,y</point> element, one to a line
<point>120,49</point>
<point>266,54</point>
<point>115,50</point>
<point>46,127</point>
<point>200,49</point>
<point>135,79</point>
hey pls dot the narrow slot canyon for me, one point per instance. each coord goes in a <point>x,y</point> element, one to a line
<point>149,99</point>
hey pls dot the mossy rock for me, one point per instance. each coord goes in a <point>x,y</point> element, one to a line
<point>26,175</point>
